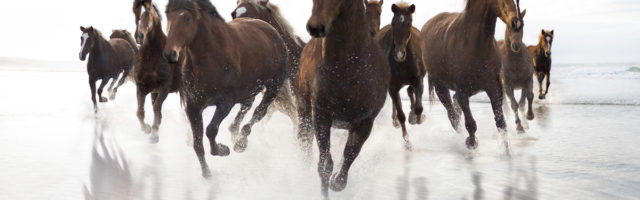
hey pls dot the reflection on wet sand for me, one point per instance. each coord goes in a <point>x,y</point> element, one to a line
<point>542,116</point>
<point>523,181</point>
<point>403,182</point>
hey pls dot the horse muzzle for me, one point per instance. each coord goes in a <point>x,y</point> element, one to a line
<point>400,56</point>
<point>319,31</point>
<point>82,57</point>
<point>515,47</point>
<point>547,53</point>
<point>172,56</point>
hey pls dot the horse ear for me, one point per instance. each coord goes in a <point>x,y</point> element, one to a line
<point>82,28</point>
<point>412,8</point>
<point>523,13</point>
<point>394,8</point>
<point>551,31</point>
<point>542,32</point>
<point>381,2</point>
<point>264,2</point>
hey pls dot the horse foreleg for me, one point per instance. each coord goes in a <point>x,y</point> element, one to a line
<point>514,107</point>
<point>397,104</point>
<point>529,94</point>
<point>92,86</point>
<point>125,74</point>
<point>357,137</point>
<point>194,114</point>
<point>540,78</point>
<point>235,126</point>
<point>445,99</point>
<point>416,116</point>
<point>305,135</point>
<point>469,122</point>
<point>157,111</point>
<point>496,96</point>
<point>222,110</point>
<point>102,84</point>
<point>322,125</point>
<point>548,83</point>
<point>260,111</point>
<point>110,89</point>
<point>141,96</point>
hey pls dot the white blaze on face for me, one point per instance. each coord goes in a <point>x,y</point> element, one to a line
<point>85,36</point>
<point>548,41</point>
<point>240,11</point>
<point>401,18</point>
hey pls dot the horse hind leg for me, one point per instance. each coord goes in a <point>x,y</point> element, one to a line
<point>548,83</point>
<point>141,95</point>
<point>112,95</point>
<point>416,116</point>
<point>514,107</point>
<point>357,138</point>
<point>397,104</point>
<point>445,99</point>
<point>470,123</point>
<point>529,95</point>
<point>235,126</point>
<point>260,111</point>
<point>194,114</point>
<point>157,111</point>
<point>102,84</point>
<point>125,74</point>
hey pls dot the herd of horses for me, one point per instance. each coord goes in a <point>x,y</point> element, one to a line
<point>339,79</point>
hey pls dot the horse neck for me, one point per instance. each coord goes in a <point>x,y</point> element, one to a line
<point>289,38</point>
<point>480,17</point>
<point>212,32</point>
<point>156,37</point>
<point>100,49</point>
<point>539,48</point>
<point>349,31</point>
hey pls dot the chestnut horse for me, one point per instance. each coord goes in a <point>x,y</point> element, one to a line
<point>400,41</point>
<point>374,10</point>
<point>285,101</point>
<point>153,73</point>
<point>517,72</point>
<point>542,60</point>
<point>229,63</point>
<point>461,54</point>
<point>342,83</point>
<point>108,59</point>
<point>125,35</point>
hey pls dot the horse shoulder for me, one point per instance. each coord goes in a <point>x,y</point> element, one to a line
<point>383,38</point>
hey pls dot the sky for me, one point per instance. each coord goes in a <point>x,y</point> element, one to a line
<point>586,31</point>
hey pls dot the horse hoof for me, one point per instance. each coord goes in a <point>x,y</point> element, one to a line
<point>112,97</point>
<point>146,128</point>
<point>220,150</point>
<point>240,145</point>
<point>103,100</point>
<point>530,116</point>
<point>396,123</point>
<point>206,173</point>
<point>472,143</point>
<point>338,183</point>
<point>246,130</point>
<point>541,97</point>
<point>520,129</point>
<point>154,139</point>
<point>234,130</point>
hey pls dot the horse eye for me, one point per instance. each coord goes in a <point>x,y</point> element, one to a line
<point>187,18</point>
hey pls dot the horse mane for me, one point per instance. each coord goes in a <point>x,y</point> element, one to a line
<point>277,15</point>
<point>195,6</point>
<point>403,4</point>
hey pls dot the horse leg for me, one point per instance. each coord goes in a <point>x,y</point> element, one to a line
<point>235,126</point>
<point>222,110</point>
<point>154,96</point>
<point>469,122</point>
<point>125,74</point>
<point>514,107</point>
<point>322,124</point>
<point>445,99</point>
<point>540,77</point>
<point>522,101</point>
<point>157,111</point>
<point>260,111</point>
<point>548,83</point>
<point>92,85</point>
<point>416,116</point>
<point>357,137</point>
<point>141,95</point>
<point>305,135</point>
<point>529,93</point>
<point>397,104</point>
<point>194,114</point>
<point>110,89</point>
<point>496,96</point>
<point>394,117</point>
<point>102,84</point>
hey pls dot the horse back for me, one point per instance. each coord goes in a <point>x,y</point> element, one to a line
<point>123,53</point>
<point>258,45</point>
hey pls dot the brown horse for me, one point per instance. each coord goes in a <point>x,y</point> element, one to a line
<point>342,82</point>
<point>108,59</point>
<point>374,10</point>
<point>517,72</point>
<point>229,63</point>
<point>400,41</point>
<point>125,35</point>
<point>285,101</point>
<point>153,73</point>
<point>461,54</point>
<point>542,60</point>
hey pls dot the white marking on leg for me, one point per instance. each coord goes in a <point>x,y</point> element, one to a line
<point>240,11</point>
<point>85,36</point>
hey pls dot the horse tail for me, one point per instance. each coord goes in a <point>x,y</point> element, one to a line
<point>431,92</point>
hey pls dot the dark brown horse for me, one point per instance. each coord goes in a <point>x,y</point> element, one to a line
<point>542,60</point>
<point>400,41</point>
<point>153,73</point>
<point>229,63</point>
<point>285,101</point>
<point>125,35</point>
<point>517,72</point>
<point>461,54</point>
<point>108,59</point>
<point>342,83</point>
<point>374,10</point>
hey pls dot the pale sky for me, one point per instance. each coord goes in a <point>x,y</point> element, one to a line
<point>587,31</point>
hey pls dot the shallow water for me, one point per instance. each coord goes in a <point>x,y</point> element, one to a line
<point>582,145</point>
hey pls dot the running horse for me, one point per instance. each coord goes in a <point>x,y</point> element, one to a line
<point>108,59</point>
<point>229,63</point>
<point>153,73</point>
<point>400,42</point>
<point>285,101</point>
<point>517,72</point>
<point>460,52</point>
<point>374,10</point>
<point>125,35</point>
<point>342,83</point>
<point>542,60</point>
